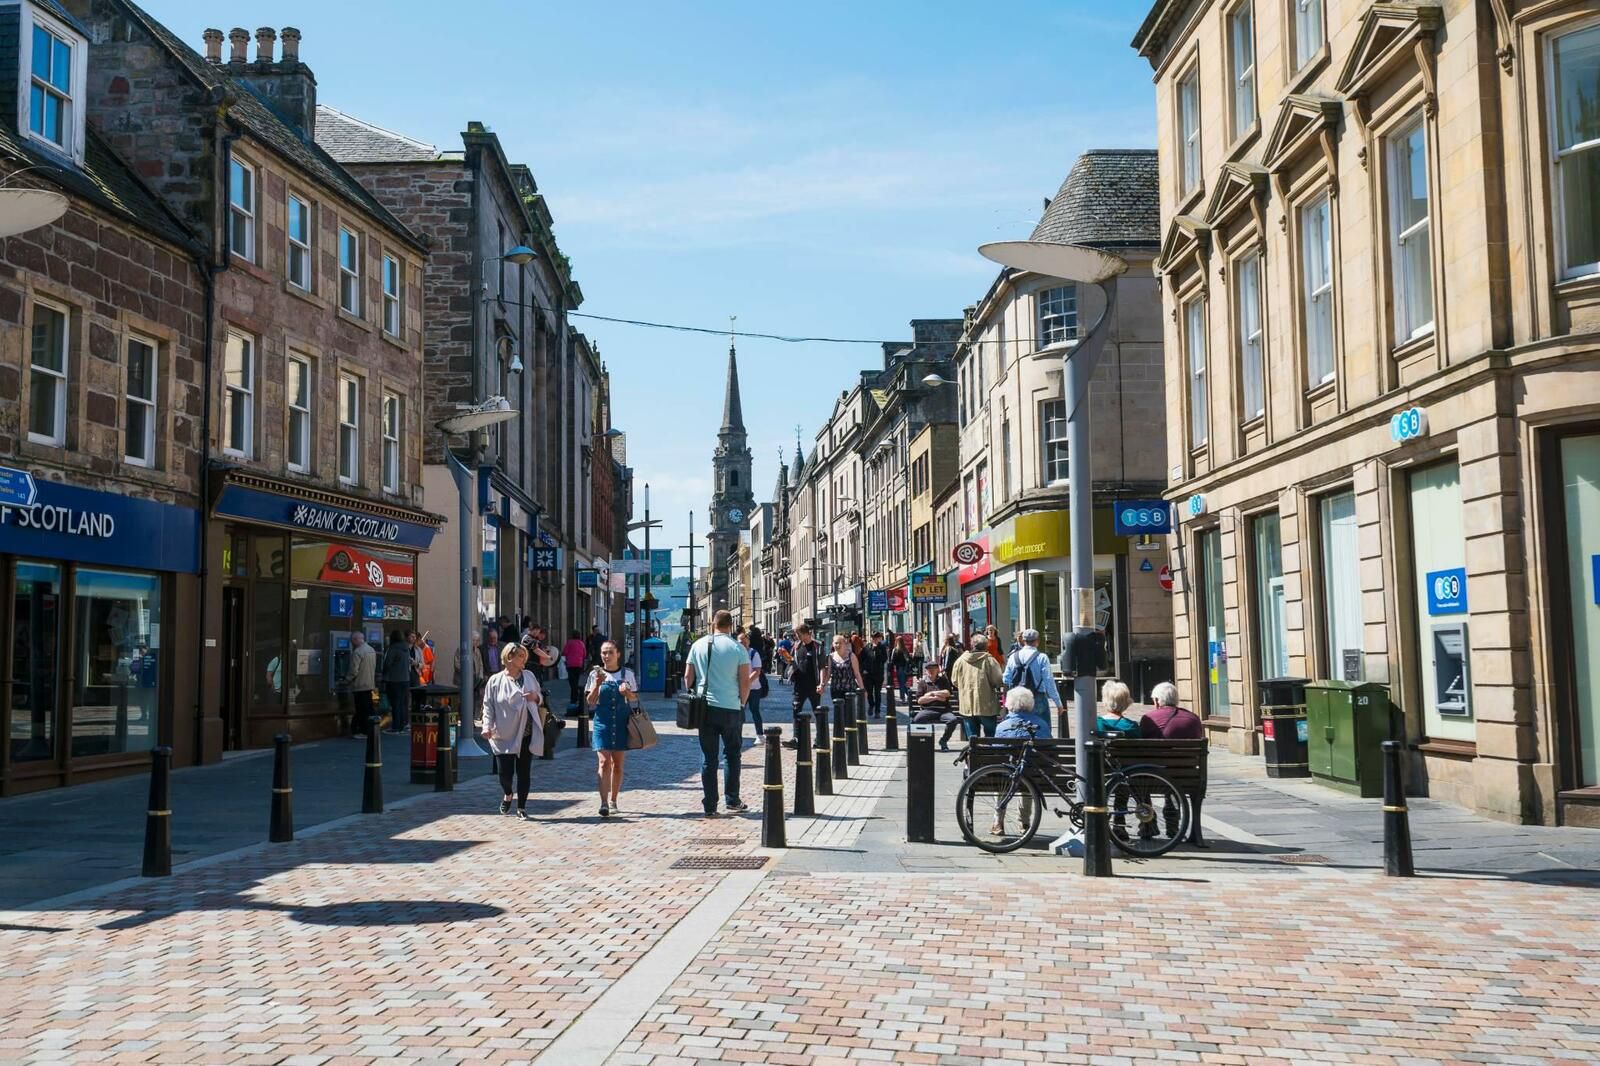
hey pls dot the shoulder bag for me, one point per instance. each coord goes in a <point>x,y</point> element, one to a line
<point>641,730</point>
<point>692,706</point>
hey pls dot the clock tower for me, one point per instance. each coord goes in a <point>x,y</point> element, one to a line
<point>731,497</point>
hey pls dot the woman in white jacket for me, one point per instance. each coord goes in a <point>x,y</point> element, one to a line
<point>513,725</point>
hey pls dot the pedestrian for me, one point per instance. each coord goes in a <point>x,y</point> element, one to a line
<point>491,649</point>
<point>1167,720</point>
<point>1021,719</point>
<point>844,671</point>
<point>362,678</point>
<point>997,649</point>
<point>575,655</point>
<point>949,654</point>
<point>1029,668</point>
<point>720,668</point>
<point>397,670</point>
<point>541,655</point>
<point>900,664</point>
<point>977,681</point>
<point>1112,721</point>
<point>593,643</point>
<point>513,726</point>
<point>856,643</point>
<point>874,660</point>
<point>808,673</point>
<point>509,633</point>
<point>785,656</point>
<point>935,698</point>
<point>414,646</point>
<point>758,678</point>
<point>425,659</point>
<point>612,697</point>
<point>919,655</point>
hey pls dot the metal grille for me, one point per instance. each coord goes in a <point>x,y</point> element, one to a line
<point>719,841</point>
<point>1301,860</point>
<point>720,862</point>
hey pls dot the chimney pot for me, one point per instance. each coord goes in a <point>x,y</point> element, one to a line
<point>239,38</point>
<point>291,44</point>
<point>213,39</point>
<point>266,37</point>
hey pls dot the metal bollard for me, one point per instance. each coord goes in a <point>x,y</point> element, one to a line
<point>823,755</point>
<point>372,779</point>
<point>888,693</point>
<point>862,742</point>
<point>444,757</point>
<point>919,784</point>
<point>281,830</point>
<point>583,730</point>
<point>852,731</point>
<point>841,746</point>
<point>891,729</point>
<point>804,799</point>
<point>1396,819</point>
<point>772,833</point>
<point>158,816</point>
<point>1096,813</point>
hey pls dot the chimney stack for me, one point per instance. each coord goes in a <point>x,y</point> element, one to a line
<point>266,37</point>
<point>288,84</point>
<point>239,37</point>
<point>213,40</point>
<point>291,45</point>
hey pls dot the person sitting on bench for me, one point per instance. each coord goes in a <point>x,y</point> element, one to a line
<point>1020,717</point>
<point>935,698</point>
<point>1114,700</point>
<point>1168,720</point>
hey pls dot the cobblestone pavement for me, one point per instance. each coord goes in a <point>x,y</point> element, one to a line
<point>444,933</point>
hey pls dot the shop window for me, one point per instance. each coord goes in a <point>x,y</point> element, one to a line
<point>1575,107</point>
<point>267,644</point>
<point>1580,490</point>
<point>1438,562</point>
<point>1272,626</point>
<point>1411,277</point>
<point>47,381</point>
<point>1341,588</point>
<point>139,429</point>
<point>1213,626</point>
<point>35,665</point>
<point>116,652</point>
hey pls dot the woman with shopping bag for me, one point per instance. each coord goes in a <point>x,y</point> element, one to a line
<point>513,724</point>
<point>620,724</point>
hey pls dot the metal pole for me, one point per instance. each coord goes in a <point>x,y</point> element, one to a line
<point>467,746</point>
<point>640,630</point>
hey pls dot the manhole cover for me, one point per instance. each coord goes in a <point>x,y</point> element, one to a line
<point>1302,860</point>
<point>720,862</point>
<point>719,841</point>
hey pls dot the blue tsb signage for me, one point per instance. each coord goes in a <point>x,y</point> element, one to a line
<point>255,505</point>
<point>1133,517</point>
<point>103,528</point>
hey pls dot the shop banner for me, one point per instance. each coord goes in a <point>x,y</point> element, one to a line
<point>82,525</point>
<point>349,565</point>
<point>878,602</point>
<point>271,508</point>
<point>661,567</point>
<point>588,578</point>
<point>1136,517</point>
<point>929,590</point>
<point>897,600</point>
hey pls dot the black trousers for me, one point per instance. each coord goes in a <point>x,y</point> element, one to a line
<point>804,691</point>
<point>361,699</point>
<point>874,687</point>
<point>522,764</point>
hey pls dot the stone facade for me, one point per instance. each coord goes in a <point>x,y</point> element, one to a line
<point>1472,319</point>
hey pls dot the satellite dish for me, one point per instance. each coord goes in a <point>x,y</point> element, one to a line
<point>24,209</point>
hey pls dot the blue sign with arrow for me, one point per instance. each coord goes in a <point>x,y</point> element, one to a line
<point>17,488</point>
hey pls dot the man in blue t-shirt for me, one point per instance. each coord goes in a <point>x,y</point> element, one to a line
<point>1029,668</point>
<point>720,668</point>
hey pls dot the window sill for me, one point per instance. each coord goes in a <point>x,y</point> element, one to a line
<point>239,262</point>
<point>1190,200</point>
<point>1321,389</point>
<point>1452,749</point>
<point>356,320</point>
<point>1303,77</point>
<point>305,294</point>
<point>1582,285</point>
<point>395,342</point>
<point>1254,422</point>
<point>1420,343</point>
<point>1243,141</point>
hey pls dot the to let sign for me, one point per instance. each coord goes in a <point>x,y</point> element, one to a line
<point>929,590</point>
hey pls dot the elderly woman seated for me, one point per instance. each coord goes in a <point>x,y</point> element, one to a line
<point>1020,716</point>
<point>1114,700</point>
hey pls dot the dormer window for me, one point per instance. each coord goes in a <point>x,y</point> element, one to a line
<point>52,83</point>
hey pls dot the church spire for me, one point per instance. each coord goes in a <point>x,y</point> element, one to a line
<point>732,411</point>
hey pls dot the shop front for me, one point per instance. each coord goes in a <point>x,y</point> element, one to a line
<point>301,573</point>
<point>101,592</point>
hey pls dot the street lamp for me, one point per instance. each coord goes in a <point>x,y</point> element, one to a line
<point>1086,266</point>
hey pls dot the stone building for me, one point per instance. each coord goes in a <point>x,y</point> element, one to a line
<point>313,456</point>
<point>103,298</point>
<point>934,457</point>
<point>834,479</point>
<point>1381,254</point>
<point>1012,419</point>
<point>733,495</point>
<point>496,326</point>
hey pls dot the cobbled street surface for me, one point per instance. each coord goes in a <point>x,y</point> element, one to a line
<point>441,932</point>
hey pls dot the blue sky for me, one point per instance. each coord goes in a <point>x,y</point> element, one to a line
<point>822,169</point>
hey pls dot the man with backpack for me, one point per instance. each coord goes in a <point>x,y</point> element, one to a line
<point>1029,668</point>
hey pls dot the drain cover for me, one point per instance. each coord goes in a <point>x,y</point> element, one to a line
<point>719,841</point>
<point>720,862</point>
<point>1307,860</point>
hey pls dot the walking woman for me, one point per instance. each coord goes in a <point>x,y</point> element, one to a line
<point>844,670</point>
<point>752,642</point>
<point>513,725</point>
<point>900,665</point>
<point>396,672</point>
<point>613,695</point>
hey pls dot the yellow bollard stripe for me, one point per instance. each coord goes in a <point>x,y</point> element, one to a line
<point>1393,810</point>
<point>823,751</point>
<point>371,765</point>
<point>1097,810</point>
<point>281,791</point>
<point>806,763</point>
<point>158,814</point>
<point>773,788</point>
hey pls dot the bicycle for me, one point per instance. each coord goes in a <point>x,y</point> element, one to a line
<point>1148,815</point>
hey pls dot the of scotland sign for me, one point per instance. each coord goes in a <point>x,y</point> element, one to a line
<point>1133,517</point>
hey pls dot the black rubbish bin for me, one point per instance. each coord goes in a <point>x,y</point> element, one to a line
<point>1283,726</point>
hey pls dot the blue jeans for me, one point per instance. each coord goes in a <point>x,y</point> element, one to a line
<point>980,725</point>
<point>754,703</point>
<point>724,728</point>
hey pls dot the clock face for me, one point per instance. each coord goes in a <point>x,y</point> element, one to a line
<point>735,515</point>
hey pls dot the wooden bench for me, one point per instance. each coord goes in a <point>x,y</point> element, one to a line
<point>1183,762</point>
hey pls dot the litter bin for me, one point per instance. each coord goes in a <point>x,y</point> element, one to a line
<point>1283,726</point>
<point>433,715</point>
<point>1346,725</point>
<point>654,676</point>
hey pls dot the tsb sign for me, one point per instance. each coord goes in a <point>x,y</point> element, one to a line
<point>1408,425</point>
<point>1133,517</point>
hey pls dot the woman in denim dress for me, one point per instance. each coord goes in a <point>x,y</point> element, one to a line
<point>613,695</point>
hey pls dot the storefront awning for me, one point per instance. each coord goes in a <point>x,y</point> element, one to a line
<point>252,498</point>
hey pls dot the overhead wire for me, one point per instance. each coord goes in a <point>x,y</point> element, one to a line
<point>725,332</point>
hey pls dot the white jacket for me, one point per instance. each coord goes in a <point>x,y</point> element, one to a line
<point>507,714</point>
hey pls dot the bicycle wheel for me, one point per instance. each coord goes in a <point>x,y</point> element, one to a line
<point>997,811</point>
<point>1149,816</point>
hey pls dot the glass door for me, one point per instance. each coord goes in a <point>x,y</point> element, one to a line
<point>1341,588</point>
<point>1271,621</point>
<point>1212,625</point>
<point>1580,484</point>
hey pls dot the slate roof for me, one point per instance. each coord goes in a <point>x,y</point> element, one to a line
<point>1111,199</point>
<point>350,140</point>
<point>252,111</point>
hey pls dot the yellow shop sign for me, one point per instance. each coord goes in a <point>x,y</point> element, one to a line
<point>1044,535</point>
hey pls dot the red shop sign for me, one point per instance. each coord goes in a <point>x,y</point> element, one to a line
<point>979,569</point>
<point>347,565</point>
<point>897,600</point>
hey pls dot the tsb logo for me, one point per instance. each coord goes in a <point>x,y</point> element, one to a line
<point>1408,425</point>
<point>1447,587</point>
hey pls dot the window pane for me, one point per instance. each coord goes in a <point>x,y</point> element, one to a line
<point>1411,178</point>
<point>347,250</point>
<point>35,652</point>
<point>238,361</point>
<point>116,651</point>
<point>141,379</point>
<point>1244,79</point>
<point>1307,30</point>
<point>239,191</point>
<point>1248,313</point>
<point>1580,196</point>
<point>1195,343</point>
<point>267,666</point>
<point>299,383</point>
<point>298,227</point>
<point>1271,620</point>
<point>1577,79</point>
<point>41,53</point>
<point>1341,581</point>
<point>61,66</point>
<point>49,339</point>
<point>138,431</point>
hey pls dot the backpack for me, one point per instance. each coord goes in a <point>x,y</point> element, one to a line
<point>1029,680</point>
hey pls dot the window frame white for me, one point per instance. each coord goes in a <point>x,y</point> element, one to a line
<point>348,413</point>
<point>248,215</point>
<point>350,277</point>
<point>1307,15</point>
<point>243,393</point>
<point>61,380</point>
<point>149,404</point>
<point>300,407</point>
<point>1250,336</point>
<point>1057,321</point>
<point>390,424</point>
<point>1241,24</point>
<point>1054,444</point>
<point>1319,349</point>
<point>304,281</point>
<point>1188,103</point>
<point>1194,353</point>
<point>1402,242</point>
<point>74,108</point>
<point>392,299</point>
<point>1565,271</point>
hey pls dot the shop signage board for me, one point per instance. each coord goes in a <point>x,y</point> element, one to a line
<point>630,566</point>
<point>17,488</point>
<point>82,525</point>
<point>544,559</point>
<point>346,564</point>
<point>341,604</point>
<point>1447,591</point>
<point>371,607</point>
<point>276,509</point>
<point>661,567</point>
<point>878,601</point>
<point>973,571</point>
<point>929,590</point>
<point>588,578</point>
<point>967,552</point>
<point>1408,425</point>
<point>1133,517</point>
<point>897,600</point>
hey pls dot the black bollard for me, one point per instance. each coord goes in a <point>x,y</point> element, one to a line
<point>804,799</point>
<point>158,816</point>
<point>919,784</point>
<point>888,694</point>
<point>852,731</point>
<point>372,780</point>
<point>282,825</point>
<point>772,834</point>
<point>583,730</point>
<point>1396,819</point>
<point>841,746</point>
<point>444,757</point>
<point>823,755</point>
<point>1096,814</point>
<point>861,724</point>
<point>891,729</point>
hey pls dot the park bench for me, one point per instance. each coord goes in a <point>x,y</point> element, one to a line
<point>1183,762</point>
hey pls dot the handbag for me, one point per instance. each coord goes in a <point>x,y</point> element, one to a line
<point>641,731</point>
<point>692,706</point>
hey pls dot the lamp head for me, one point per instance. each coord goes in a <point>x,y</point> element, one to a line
<point>520,255</point>
<point>933,381</point>
<point>1069,262</point>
